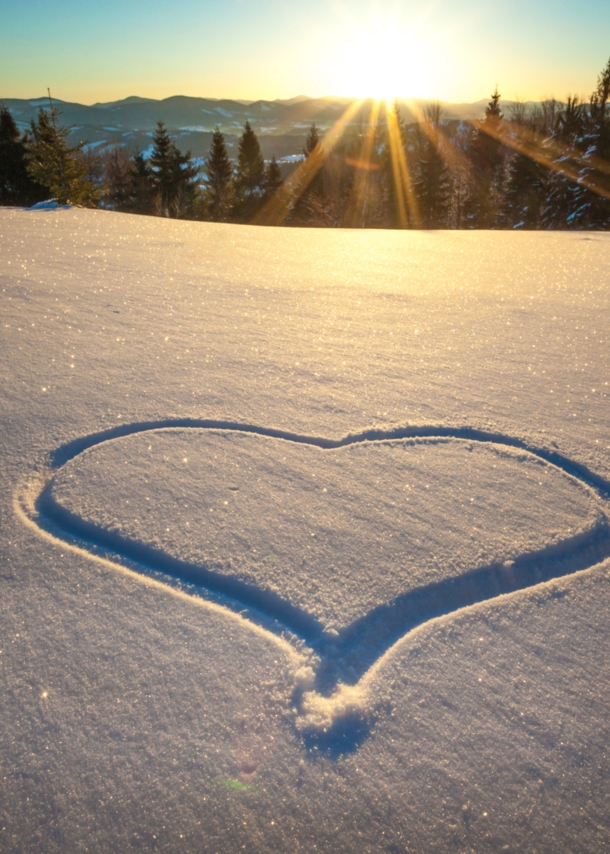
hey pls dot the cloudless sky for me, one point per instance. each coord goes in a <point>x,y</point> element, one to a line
<point>454,50</point>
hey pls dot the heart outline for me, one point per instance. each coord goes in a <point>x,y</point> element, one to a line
<point>346,661</point>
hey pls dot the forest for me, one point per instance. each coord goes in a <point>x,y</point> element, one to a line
<point>542,166</point>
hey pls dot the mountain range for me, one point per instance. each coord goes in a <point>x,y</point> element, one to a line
<point>281,125</point>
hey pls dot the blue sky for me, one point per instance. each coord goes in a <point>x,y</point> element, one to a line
<point>454,50</point>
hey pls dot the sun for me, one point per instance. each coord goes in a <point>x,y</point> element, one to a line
<point>384,59</point>
<point>376,67</point>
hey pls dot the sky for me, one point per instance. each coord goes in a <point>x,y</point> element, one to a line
<point>452,50</point>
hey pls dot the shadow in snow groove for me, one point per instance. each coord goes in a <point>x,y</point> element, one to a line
<point>346,657</point>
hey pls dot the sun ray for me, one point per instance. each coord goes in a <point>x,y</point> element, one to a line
<point>277,208</point>
<point>408,211</point>
<point>364,166</point>
<point>451,155</point>
<point>525,141</point>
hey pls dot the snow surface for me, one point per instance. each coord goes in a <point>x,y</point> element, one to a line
<point>48,205</point>
<point>91,146</point>
<point>139,713</point>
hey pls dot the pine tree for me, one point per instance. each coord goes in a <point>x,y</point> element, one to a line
<point>273,178</point>
<point>312,141</point>
<point>173,176</point>
<point>309,192</point>
<point>525,190</point>
<point>592,196</point>
<point>249,177</point>
<point>432,183</point>
<point>487,155</point>
<point>141,187</point>
<point>56,165</point>
<point>161,161</point>
<point>332,205</point>
<point>312,149</point>
<point>493,113</point>
<point>219,182</point>
<point>564,151</point>
<point>184,183</point>
<point>250,164</point>
<point>16,186</point>
<point>527,176</point>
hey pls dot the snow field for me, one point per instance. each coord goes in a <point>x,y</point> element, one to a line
<point>136,717</point>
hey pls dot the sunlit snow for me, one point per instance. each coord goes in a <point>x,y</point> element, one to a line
<point>304,540</point>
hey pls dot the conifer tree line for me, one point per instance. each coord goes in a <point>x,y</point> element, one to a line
<point>540,167</point>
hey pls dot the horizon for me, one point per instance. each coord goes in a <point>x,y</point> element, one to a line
<point>247,101</point>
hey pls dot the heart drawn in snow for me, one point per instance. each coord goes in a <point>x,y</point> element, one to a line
<point>348,544</point>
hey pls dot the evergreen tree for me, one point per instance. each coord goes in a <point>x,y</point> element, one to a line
<point>312,141</point>
<point>592,196</point>
<point>56,165</point>
<point>141,187</point>
<point>16,185</point>
<point>432,183</point>
<point>487,155</point>
<point>273,178</point>
<point>250,176</point>
<point>525,190</point>
<point>312,149</point>
<point>527,178</point>
<point>185,184</point>
<point>250,164</point>
<point>161,161</point>
<point>309,194</point>
<point>330,199</point>
<point>564,150</point>
<point>493,113</point>
<point>173,176</point>
<point>219,182</point>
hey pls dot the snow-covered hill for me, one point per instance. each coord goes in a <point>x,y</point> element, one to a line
<point>304,538</point>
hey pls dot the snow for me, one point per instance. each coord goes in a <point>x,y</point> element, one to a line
<point>91,146</point>
<point>48,205</point>
<point>199,162</point>
<point>224,113</point>
<point>292,158</point>
<point>449,392</point>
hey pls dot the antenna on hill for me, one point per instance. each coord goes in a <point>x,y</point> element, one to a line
<point>51,108</point>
